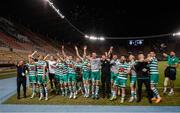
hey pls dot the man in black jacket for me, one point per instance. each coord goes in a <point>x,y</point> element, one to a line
<point>106,73</point>
<point>105,76</point>
<point>21,78</point>
<point>143,77</point>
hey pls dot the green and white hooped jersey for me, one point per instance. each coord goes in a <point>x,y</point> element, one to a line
<point>95,64</point>
<point>32,69</point>
<point>85,64</point>
<point>40,67</point>
<point>71,69</point>
<point>130,65</point>
<point>65,69</point>
<point>114,67</point>
<point>59,68</point>
<point>123,68</point>
<point>153,65</point>
<point>78,65</point>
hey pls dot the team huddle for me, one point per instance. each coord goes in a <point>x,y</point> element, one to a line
<point>70,76</point>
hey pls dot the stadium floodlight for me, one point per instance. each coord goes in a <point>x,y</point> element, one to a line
<point>55,9</point>
<point>101,38</point>
<point>86,36</point>
<point>93,38</point>
<point>49,2</point>
<point>176,34</point>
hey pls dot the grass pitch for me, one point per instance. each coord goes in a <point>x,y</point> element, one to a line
<point>60,100</point>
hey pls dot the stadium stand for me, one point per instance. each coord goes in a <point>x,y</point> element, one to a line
<point>2,44</point>
<point>17,41</point>
<point>16,44</point>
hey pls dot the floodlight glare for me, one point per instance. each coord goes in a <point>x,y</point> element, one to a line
<point>176,34</point>
<point>102,38</point>
<point>93,38</point>
<point>86,36</point>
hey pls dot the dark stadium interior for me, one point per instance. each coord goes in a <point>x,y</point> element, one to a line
<point>109,18</point>
<point>115,18</point>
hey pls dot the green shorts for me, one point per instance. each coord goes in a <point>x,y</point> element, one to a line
<point>63,79</point>
<point>40,80</point>
<point>71,77</point>
<point>86,75</point>
<point>121,82</point>
<point>113,76</point>
<point>32,79</point>
<point>133,80</point>
<point>95,76</point>
<point>154,78</point>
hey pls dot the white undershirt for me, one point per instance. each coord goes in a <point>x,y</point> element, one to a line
<point>51,66</point>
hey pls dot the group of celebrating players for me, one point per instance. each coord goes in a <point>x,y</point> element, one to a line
<point>82,74</point>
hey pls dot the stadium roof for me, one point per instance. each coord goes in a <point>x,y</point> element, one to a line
<point>109,18</point>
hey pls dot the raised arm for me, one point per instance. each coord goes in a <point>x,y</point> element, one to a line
<point>110,50</point>
<point>85,51</point>
<point>32,56</point>
<point>77,53</point>
<point>33,53</point>
<point>46,57</point>
<point>64,54</point>
<point>106,54</point>
<point>165,55</point>
<point>109,54</point>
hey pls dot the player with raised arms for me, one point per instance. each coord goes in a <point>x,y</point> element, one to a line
<point>42,77</point>
<point>95,75</point>
<point>114,71</point>
<point>85,71</point>
<point>71,74</point>
<point>61,76</point>
<point>32,74</point>
<point>78,70</point>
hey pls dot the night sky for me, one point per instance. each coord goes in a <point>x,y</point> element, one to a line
<point>110,18</point>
